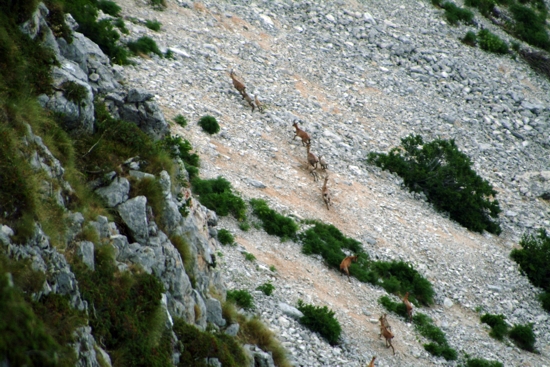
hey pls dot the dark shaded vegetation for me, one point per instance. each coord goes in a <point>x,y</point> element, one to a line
<point>209,124</point>
<point>272,222</point>
<point>480,362</point>
<point>320,320</point>
<point>266,288</point>
<point>225,237</point>
<point>216,194</point>
<point>490,42</point>
<point>470,39</point>
<point>499,327</point>
<point>445,176</point>
<point>153,25</point>
<point>241,298</point>
<point>144,45</point>
<point>534,260</point>
<point>523,336</point>
<point>181,148</point>
<point>538,60</point>
<point>455,14</point>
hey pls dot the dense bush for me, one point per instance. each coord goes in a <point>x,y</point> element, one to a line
<point>153,25</point>
<point>479,362</point>
<point>144,45</point>
<point>523,337</point>
<point>266,288</point>
<point>444,174</point>
<point>530,26</point>
<point>499,327</point>
<point>225,237</point>
<point>320,320</point>
<point>491,42</point>
<point>180,120</point>
<point>273,222</point>
<point>534,260</point>
<point>398,308</point>
<point>485,6</point>
<point>209,124</point>
<point>109,7</point>
<point>470,39</point>
<point>216,194</point>
<point>455,14</point>
<point>241,298</point>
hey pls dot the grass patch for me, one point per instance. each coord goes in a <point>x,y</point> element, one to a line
<point>272,268</point>
<point>144,45</point>
<point>272,222</point>
<point>153,25</point>
<point>241,298</point>
<point>253,331</point>
<point>216,194</point>
<point>225,237</point>
<point>320,320</point>
<point>445,176</point>
<point>249,257</point>
<point>499,327</point>
<point>266,288</point>
<point>209,124</point>
<point>523,337</point>
<point>180,120</point>
<point>490,42</point>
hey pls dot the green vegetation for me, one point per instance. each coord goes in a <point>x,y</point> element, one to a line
<point>153,25</point>
<point>195,346</point>
<point>444,174</point>
<point>74,92</point>
<point>455,14</point>
<point>396,276</point>
<point>273,222</point>
<point>181,148</point>
<point>209,124</point>
<point>158,4</point>
<point>241,298</point>
<point>523,337</point>
<point>244,226</point>
<point>144,45</point>
<point>249,257</point>
<point>424,325</point>
<point>534,260</point>
<point>499,327</point>
<point>109,7</point>
<point>180,120</point>
<point>470,39</point>
<point>320,320</point>
<point>272,268</point>
<point>225,237</point>
<point>491,42</point>
<point>530,25</point>
<point>216,194</point>
<point>480,362</point>
<point>485,7</point>
<point>185,252</point>
<point>266,288</point>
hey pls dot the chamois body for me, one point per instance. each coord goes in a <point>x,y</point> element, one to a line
<point>345,264</point>
<point>238,84</point>
<point>249,100</point>
<point>311,158</point>
<point>408,305</point>
<point>388,336</point>
<point>313,172</point>
<point>302,134</point>
<point>323,162</point>
<point>259,104</point>
<point>326,193</point>
<point>371,364</point>
<point>384,323</point>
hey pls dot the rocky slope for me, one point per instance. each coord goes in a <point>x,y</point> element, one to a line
<point>360,75</point>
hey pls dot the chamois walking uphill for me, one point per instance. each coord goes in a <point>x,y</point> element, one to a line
<point>238,84</point>
<point>326,193</point>
<point>323,162</point>
<point>259,104</point>
<point>371,364</point>
<point>249,100</point>
<point>408,305</point>
<point>388,336</point>
<point>383,323</point>
<point>311,158</point>
<point>345,264</point>
<point>302,134</point>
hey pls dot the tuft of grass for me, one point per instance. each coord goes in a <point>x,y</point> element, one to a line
<point>241,298</point>
<point>185,252</point>
<point>499,328</point>
<point>158,4</point>
<point>523,337</point>
<point>455,14</point>
<point>153,25</point>
<point>470,39</point>
<point>144,45</point>
<point>216,194</point>
<point>180,120</point>
<point>244,226</point>
<point>272,268</point>
<point>273,222</point>
<point>320,320</point>
<point>249,257</point>
<point>209,124</point>
<point>225,237</point>
<point>491,42</point>
<point>150,188</point>
<point>119,23</point>
<point>266,288</point>
<point>255,332</point>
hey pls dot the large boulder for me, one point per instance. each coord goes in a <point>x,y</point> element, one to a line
<point>116,193</point>
<point>134,214</point>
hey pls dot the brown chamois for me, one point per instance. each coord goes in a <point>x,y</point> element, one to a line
<point>383,323</point>
<point>313,172</point>
<point>371,364</point>
<point>408,305</point>
<point>249,100</point>
<point>302,134</point>
<point>260,105</point>
<point>388,336</point>
<point>345,264</point>
<point>326,193</point>
<point>311,158</point>
<point>323,162</point>
<point>238,84</point>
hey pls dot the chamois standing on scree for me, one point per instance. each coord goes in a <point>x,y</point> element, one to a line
<point>383,323</point>
<point>313,172</point>
<point>345,264</point>
<point>371,364</point>
<point>311,158</point>
<point>302,134</point>
<point>408,305</point>
<point>249,100</point>
<point>259,104</point>
<point>388,336</point>
<point>323,162</point>
<point>238,84</point>
<point>326,193</point>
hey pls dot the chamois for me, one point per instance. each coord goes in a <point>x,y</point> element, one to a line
<point>388,336</point>
<point>345,264</point>
<point>383,323</point>
<point>260,105</point>
<point>326,193</point>
<point>311,158</point>
<point>323,162</point>
<point>249,100</point>
<point>302,134</point>
<point>238,84</point>
<point>313,172</point>
<point>371,364</point>
<point>408,305</point>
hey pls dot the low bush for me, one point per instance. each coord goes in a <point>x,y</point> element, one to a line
<point>158,4</point>
<point>499,327</point>
<point>530,26</point>
<point>480,362</point>
<point>485,7</point>
<point>272,222</point>
<point>320,320</point>
<point>109,7</point>
<point>249,257</point>
<point>266,288</point>
<point>398,308</point>
<point>523,337</point>
<point>244,226</point>
<point>153,25</point>
<point>225,237</point>
<point>181,148</point>
<point>241,298</point>
<point>534,260</point>
<point>455,14</point>
<point>209,124</point>
<point>444,174</point>
<point>144,45</point>
<point>491,42</point>
<point>470,39</point>
<point>180,120</point>
<point>216,194</point>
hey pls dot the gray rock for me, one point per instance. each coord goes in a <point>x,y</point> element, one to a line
<point>85,251</point>
<point>133,213</point>
<point>255,183</point>
<point>116,193</point>
<point>5,234</point>
<point>138,95</point>
<point>232,330</point>
<point>290,311</point>
<point>214,312</point>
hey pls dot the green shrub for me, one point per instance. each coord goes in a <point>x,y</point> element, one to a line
<point>523,337</point>
<point>444,174</point>
<point>491,42</point>
<point>244,226</point>
<point>398,308</point>
<point>320,320</point>
<point>499,328</point>
<point>250,257</point>
<point>534,260</point>
<point>241,298</point>
<point>273,222</point>
<point>439,346</point>
<point>530,26</point>
<point>470,39</point>
<point>272,268</point>
<point>485,6</point>
<point>216,194</point>
<point>158,4</point>
<point>209,124</point>
<point>266,288</point>
<point>180,120</point>
<point>153,25</point>
<point>225,237</point>
<point>254,332</point>
<point>480,362</point>
<point>119,23</point>
<point>181,148</point>
<point>544,299</point>
<point>455,14</point>
<point>109,7</point>
<point>144,45</point>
